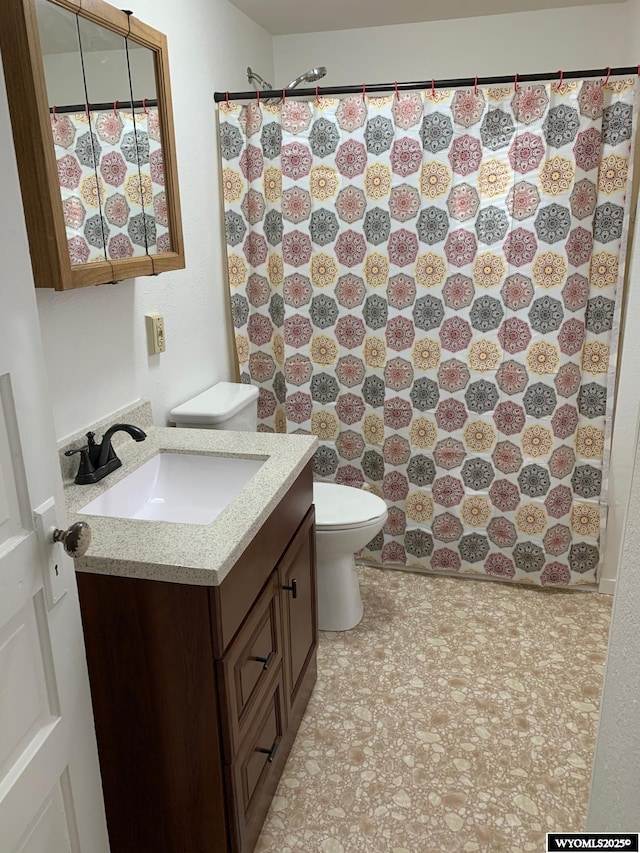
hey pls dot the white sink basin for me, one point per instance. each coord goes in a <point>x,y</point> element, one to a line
<point>178,487</point>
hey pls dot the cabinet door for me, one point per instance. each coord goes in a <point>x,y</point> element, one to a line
<point>297,577</point>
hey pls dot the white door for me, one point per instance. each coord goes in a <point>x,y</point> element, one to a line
<point>50,792</point>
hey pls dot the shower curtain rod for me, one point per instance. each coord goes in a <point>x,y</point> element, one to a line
<point>428,84</point>
<point>122,105</point>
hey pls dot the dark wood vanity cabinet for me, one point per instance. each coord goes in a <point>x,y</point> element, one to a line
<point>198,691</point>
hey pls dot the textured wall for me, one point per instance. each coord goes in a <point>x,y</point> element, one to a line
<point>94,338</point>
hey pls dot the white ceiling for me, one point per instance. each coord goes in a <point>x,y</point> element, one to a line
<point>280,17</point>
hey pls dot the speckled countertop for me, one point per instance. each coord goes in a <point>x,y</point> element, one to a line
<point>189,553</point>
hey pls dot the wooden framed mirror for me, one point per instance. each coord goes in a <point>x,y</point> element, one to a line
<point>90,102</point>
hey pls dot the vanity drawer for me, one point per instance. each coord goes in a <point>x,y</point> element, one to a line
<point>254,775</point>
<point>247,667</point>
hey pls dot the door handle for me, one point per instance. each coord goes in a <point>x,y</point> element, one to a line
<point>75,542</point>
<point>75,539</point>
<point>293,588</point>
<point>268,660</point>
<point>270,752</point>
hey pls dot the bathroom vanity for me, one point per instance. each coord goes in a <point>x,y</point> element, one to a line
<point>201,645</point>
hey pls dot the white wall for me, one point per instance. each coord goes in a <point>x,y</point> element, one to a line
<point>625,428</point>
<point>633,31</point>
<point>615,785</point>
<point>94,338</point>
<point>614,804</point>
<point>576,38</point>
<point>626,416</point>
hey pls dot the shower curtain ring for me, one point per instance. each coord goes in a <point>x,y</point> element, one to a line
<point>515,82</point>
<point>475,85</point>
<point>258,96</point>
<point>433,88</point>
<point>559,83</point>
<point>317,96</point>
<point>364,90</point>
<point>284,96</point>
<point>606,82</point>
<point>227,100</point>
<point>55,117</point>
<point>115,109</point>
<point>395,85</point>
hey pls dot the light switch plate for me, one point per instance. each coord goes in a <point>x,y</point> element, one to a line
<point>155,333</point>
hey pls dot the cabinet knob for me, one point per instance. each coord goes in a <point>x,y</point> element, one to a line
<point>293,588</point>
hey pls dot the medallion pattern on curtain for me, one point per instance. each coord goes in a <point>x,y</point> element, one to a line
<point>111,177</point>
<point>428,282</point>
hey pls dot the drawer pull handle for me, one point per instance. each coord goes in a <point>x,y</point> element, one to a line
<point>268,660</point>
<point>293,589</point>
<point>270,752</point>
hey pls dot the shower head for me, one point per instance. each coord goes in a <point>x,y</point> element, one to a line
<point>257,81</point>
<point>309,76</point>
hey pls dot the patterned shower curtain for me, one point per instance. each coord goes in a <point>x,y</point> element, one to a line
<point>429,283</point>
<point>111,176</point>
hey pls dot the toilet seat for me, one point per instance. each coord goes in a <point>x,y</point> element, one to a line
<point>345,508</point>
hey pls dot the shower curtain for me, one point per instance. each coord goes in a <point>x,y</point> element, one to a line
<point>111,176</point>
<point>429,282</point>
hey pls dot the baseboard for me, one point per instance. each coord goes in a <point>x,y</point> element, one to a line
<point>607,586</point>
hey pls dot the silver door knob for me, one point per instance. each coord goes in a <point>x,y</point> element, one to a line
<point>75,540</point>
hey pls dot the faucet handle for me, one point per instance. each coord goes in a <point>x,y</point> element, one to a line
<point>86,465</point>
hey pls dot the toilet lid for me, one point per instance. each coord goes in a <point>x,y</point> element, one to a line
<point>343,506</point>
<point>215,405</point>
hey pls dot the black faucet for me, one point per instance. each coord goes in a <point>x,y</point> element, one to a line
<point>98,460</point>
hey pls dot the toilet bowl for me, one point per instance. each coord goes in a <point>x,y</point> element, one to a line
<point>346,519</point>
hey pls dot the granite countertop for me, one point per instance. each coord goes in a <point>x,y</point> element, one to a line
<point>199,554</point>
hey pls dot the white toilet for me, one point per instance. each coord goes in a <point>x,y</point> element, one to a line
<point>346,518</point>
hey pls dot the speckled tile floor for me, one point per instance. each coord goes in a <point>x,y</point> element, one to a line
<point>459,715</point>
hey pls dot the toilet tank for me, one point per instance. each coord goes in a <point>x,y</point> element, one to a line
<point>227,405</point>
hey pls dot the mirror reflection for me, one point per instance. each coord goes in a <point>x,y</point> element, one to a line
<point>101,89</point>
